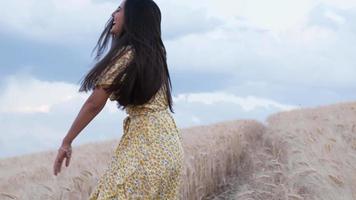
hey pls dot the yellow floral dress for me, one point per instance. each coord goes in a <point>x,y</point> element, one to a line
<point>148,160</point>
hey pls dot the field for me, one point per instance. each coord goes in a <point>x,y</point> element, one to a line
<point>307,153</point>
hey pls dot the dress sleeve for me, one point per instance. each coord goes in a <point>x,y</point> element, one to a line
<point>107,76</point>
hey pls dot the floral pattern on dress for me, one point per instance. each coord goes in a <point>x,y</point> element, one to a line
<point>148,160</point>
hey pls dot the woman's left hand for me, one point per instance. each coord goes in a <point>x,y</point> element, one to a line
<point>65,151</point>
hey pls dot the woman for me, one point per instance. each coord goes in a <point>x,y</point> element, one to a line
<point>148,160</point>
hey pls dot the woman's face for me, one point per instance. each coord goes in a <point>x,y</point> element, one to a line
<point>118,16</point>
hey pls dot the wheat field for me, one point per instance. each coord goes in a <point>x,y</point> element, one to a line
<point>308,153</point>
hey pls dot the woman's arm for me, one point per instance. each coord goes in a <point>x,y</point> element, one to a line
<point>93,105</point>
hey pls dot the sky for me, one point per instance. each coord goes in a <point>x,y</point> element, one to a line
<point>228,60</point>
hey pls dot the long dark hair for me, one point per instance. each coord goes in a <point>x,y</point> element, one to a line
<point>148,70</point>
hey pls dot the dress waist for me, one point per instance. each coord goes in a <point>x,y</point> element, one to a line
<point>133,113</point>
<point>144,111</point>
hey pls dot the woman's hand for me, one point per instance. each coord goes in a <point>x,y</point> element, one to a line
<point>65,151</point>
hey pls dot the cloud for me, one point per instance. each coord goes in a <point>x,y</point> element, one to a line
<point>29,95</point>
<point>275,15</point>
<point>314,54</point>
<point>247,104</point>
<point>180,18</point>
<point>24,94</point>
<point>206,108</point>
<point>340,4</point>
<point>335,17</point>
<point>42,111</point>
<point>250,40</point>
<point>55,20</point>
<point>79,21</point>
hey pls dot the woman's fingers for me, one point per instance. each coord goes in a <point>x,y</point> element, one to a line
<point>63,152</point>
<point>68,159</point>
<point>68,154</point>
<point>58,163</point>
<point>57,166</point>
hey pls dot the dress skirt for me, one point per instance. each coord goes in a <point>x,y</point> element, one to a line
<point>148,161</point>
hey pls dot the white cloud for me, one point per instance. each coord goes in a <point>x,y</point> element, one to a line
<point>196,120</point>
<point>55,20</point>
<point>79,21</point>
<point>341,4</point>
<point>264,14</point>
<point>274,15</point>
<point>180,18</point>
<point>46,110</point>
<point>248,103</point>
<point>314,55</point>
<point>29,95</point>
<point>42,112</point>
<point>335,17</point>
<point>25,94</point>
<point>225,36</point>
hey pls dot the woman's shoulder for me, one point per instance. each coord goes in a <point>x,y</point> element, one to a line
<point>125,54</point>
<point>128,49</point>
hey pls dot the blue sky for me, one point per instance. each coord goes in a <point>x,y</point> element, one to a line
<point>228,60</point>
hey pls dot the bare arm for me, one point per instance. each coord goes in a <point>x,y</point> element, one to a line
<point>93,105</point>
